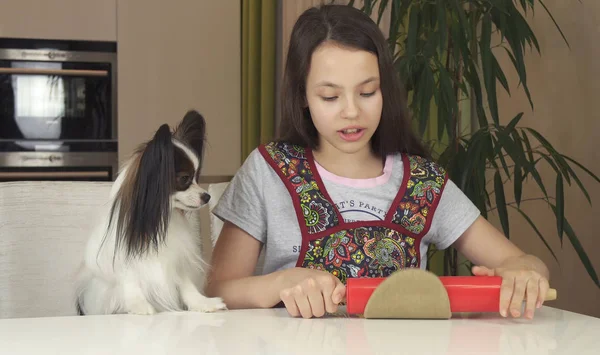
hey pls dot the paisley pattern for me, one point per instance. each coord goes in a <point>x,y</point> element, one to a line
<point>423,190</point>
<point>362,252</point>
<point>372,249</point>
<point>319,213</point>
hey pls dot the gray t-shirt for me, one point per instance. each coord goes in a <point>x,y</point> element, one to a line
<point>258,202</point>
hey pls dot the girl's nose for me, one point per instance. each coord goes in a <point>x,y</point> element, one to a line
<point>351,109</point>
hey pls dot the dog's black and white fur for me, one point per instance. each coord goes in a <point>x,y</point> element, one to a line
<point>143,256</point>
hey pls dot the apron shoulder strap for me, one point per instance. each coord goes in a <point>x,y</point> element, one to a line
<point>292,164</point>
<point>422,194</point>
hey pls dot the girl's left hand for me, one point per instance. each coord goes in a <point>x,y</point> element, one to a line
<point>518,285</point>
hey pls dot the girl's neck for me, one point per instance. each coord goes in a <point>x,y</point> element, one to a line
<point>363,164</point>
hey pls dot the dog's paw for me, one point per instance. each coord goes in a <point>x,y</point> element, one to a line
<point>141,308</point>
<point>207,305</point>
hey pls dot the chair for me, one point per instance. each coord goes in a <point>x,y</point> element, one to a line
<point>43,233</point>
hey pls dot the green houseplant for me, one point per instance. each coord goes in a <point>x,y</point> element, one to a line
<point>445,52</point>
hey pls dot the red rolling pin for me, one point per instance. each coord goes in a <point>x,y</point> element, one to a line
<point>466,293</point>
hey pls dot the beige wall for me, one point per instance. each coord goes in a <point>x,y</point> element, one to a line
<point>93,20</point>
<point>178,55</point>
<point>565,92</point>
<point>172,56</point>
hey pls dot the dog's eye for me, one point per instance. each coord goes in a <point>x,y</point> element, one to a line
<point>184,179</point>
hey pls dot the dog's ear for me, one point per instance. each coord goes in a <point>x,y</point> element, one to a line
<point>145,198</point>
<point>192,131</point>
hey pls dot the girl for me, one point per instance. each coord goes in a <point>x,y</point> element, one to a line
<point>348,190</point>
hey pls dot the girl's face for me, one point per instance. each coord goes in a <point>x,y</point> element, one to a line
<point>344,98</point>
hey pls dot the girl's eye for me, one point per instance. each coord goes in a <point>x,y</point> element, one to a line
<point>330,98</point>
<point>368,94</point>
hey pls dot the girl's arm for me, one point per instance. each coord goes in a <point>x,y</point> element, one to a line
<point>233,262</point>
<point>304,292</point>
<point>524,276</point>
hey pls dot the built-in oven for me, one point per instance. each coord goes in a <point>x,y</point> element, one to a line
<point>58,110</point>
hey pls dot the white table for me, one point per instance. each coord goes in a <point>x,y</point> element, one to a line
<point>272,331</point>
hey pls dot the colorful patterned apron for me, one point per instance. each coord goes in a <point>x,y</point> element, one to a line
<point>364,248</point>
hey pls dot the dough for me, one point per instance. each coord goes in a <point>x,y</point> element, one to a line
<point>409,293</point>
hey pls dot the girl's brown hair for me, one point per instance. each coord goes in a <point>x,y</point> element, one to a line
<point>348,27</point>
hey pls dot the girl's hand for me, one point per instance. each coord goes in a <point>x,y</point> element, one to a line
<point>311,293</point>
<point>518,285</point>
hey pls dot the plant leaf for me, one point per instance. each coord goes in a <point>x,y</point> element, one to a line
<point>555,23</point>
<point>520,67</point>
<point>518,183</point>
<point>442,117</point>
<point>481,186</point>
<point>412,34</point>
<point>398,12</point>
<point>498,152</point>
<point>580,184</point>
<point>560,206</point>
<point>512,149</point>
<point>532,169</point>
<point>509,146</point>
<point>442,26</point>
<point>528,145</point>
<point>585,260</point>
<point>560,161</point>
<point>501,203</point>
<point>447,92</point>
<point>462,20</point>
<point>489,149</point>
<point>536,231</point>
<point>522,161</point>
<point>500,74</point>
<point>581,167</point>
<point>538,179</point>
<point>518,142</point>
<point>473,80</point>
<point>500,19</point>
<point>500,5</point>
<point>382,6</point>
<point>524,29</point>
<point>513,123</point>
<point>524,6</point>
<point>489,75</point>
<point>367,7</point>
<point>472,158</point>
<point>425,94</point>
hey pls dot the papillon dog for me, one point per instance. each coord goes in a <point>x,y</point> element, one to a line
<point>144,255</point>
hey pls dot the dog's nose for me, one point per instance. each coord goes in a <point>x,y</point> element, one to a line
<point>205,197</point>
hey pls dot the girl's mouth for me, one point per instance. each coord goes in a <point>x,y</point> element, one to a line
<point>351,130</point>
<point>351,134</point>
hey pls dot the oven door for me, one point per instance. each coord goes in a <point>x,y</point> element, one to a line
<point>57,100</point>
<point>43,166</point>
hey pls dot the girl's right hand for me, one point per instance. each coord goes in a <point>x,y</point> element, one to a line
<point>311,293</point>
